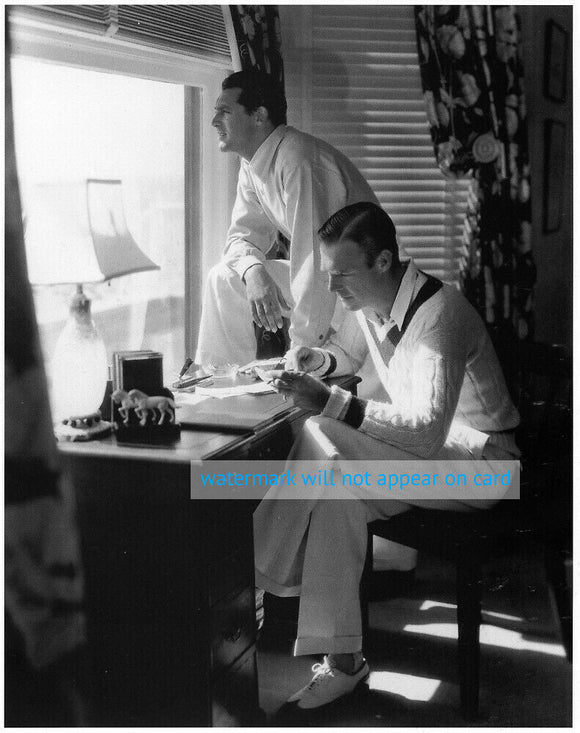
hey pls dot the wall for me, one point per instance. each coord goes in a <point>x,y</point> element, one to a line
<point>296,26</point>
<point>552,252</point>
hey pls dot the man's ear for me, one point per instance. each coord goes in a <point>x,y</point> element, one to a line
<point>261,116</point>
<point>384,260</point>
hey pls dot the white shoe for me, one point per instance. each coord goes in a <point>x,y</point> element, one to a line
<point>327,685</point>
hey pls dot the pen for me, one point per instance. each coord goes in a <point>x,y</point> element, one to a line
<point>185,367</point>
<point>185,383</point>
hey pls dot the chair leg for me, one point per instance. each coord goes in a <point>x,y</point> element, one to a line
<point>365,585</point>
<point>468,622</point>
<point>559,574</point>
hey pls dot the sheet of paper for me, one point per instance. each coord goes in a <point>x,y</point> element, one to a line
<point>238,389</point>
<point>264,364</point>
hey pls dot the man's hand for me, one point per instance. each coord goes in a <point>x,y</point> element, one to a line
<point>303,359</point>
<point>265,298</point>
<point>307,391</point>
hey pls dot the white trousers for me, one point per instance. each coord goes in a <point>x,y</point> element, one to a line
<point>226,331</point>
<point>316,548</point>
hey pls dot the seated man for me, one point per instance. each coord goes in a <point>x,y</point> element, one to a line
<point>289,182</point>
<point>447,399</point>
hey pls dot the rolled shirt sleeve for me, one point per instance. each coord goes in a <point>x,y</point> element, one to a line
<point>312,193</point>
<point>251,233</point>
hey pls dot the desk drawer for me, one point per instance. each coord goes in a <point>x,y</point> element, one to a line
<point>233,628</point>
<point>229,574</point>
<point>273,443</point>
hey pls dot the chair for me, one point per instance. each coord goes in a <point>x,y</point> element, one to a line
<point>542,391</point>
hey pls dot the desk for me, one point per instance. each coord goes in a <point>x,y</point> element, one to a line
<point>169,582</point>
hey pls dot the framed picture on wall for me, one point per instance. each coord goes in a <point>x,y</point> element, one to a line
<point>554,163</point>
<point>555,61</point>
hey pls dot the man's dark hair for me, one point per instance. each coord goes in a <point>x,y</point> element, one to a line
<point>366,224</point>
<point>259,90</point>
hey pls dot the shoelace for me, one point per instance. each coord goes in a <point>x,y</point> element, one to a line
<point>322,671</point>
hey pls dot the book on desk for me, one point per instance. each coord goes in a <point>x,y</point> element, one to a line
<point>235,414</point>
<point>138,370</point>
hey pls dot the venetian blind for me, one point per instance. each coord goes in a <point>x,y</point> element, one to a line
<point>368,102</point>
<point>196,30</point>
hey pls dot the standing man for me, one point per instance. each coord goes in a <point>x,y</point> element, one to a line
<point>289,182</point>
<point>447,400</point>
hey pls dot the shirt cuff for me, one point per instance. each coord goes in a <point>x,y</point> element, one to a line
<point>244,264</point>
<point>355,413</point>
<point>337,404</point>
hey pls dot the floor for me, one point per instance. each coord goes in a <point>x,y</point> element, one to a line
<point>525,677</point>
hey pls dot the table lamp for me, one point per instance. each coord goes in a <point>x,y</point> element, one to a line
<point>77,234</point>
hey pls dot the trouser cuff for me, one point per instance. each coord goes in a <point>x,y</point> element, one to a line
<point>284,591</point>
<point>330,645</point>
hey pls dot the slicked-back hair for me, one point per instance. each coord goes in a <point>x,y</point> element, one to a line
<point>259,90</point>
<point>366,224</point>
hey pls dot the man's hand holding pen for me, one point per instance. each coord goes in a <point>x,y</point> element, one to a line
<point>308,392</point>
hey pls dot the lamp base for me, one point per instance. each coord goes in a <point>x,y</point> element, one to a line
<point>82,427</point>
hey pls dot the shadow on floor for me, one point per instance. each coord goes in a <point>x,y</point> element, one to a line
<point>411,649</point>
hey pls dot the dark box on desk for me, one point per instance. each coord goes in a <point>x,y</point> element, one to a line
<point>138,370</point>
<point>143,371</point>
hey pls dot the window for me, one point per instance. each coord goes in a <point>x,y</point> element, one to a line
<point>73,124</point>
<point>101,92</point>
<point>359,65</point>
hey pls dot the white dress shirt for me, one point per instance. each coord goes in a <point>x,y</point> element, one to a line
<point>293,183</point>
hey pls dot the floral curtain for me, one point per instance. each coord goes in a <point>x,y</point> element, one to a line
<point>257,29</point>
<point>43,581</point>
<point>472,79</point>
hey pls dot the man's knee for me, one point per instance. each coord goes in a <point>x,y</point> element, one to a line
<point>331,432</point>
<point>320,423</point>
<point>222,276</point>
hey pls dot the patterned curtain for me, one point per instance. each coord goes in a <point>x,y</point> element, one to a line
<point>472,79</point>
<point>257,29</point>
<point>43,581</point>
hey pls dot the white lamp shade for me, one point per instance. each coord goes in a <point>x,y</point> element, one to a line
<point>77,233</point>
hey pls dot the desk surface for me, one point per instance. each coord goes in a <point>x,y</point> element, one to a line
<point>191,444</point>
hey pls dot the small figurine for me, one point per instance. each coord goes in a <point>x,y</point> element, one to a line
<point>143,404</point>
<point>120,397</point>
